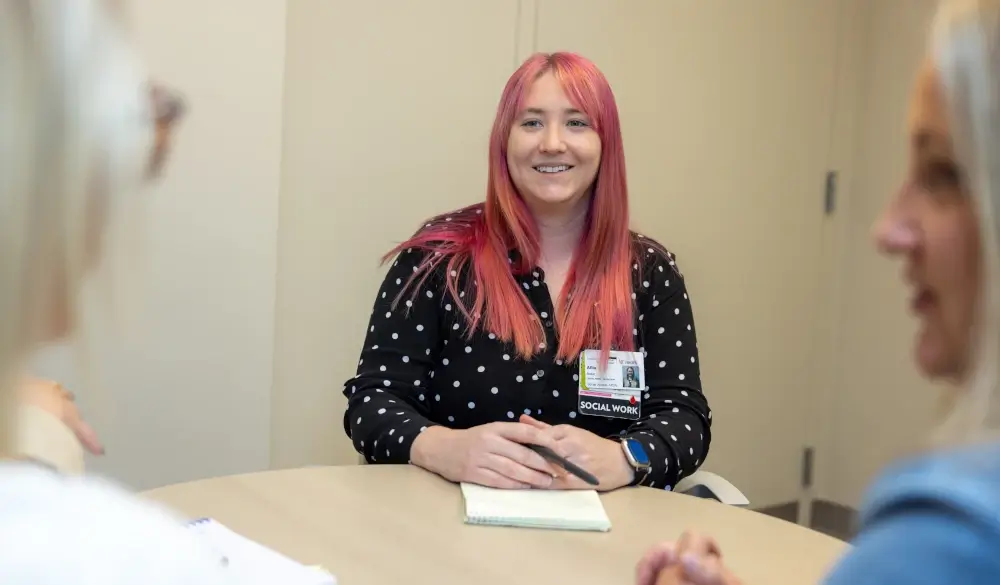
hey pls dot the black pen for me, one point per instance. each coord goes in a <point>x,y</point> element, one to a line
<point>566,464</point>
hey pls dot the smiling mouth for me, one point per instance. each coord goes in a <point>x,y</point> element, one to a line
<point>551,169</point>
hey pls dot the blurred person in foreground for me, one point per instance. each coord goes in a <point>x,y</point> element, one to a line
<point>80,130</point>
<point>935,518</point>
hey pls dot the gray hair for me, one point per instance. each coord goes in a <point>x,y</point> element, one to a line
<point>965,47</point>
<point>75,132</point>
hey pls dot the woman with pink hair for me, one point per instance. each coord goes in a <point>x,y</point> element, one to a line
<point>496,323</point>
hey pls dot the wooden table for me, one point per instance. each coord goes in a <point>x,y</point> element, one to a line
<point>387,525</point>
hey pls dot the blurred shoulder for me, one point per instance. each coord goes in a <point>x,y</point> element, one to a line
<point>964,482</point>
<point>930,519</point>
<point>654,259</point>
<point>81,529</point>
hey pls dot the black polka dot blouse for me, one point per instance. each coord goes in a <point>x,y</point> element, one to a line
<point>419,369</point>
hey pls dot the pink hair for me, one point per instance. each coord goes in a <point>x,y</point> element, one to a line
<point>597,307</point>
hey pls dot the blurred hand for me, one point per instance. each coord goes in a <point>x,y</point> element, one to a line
<point>694,559</point>
<point>53,398</point>
<point>491,455</point>
<point>602,457</point>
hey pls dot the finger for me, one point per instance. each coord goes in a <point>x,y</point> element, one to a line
<point>672,575</point>
<point>516,471</point>
<point>523,456</point>
<point>489,478</point>
<point>703,570</point>
<point>568,481</point>
<point>698,544</point>
<point>655,560</point>
<point>83,431</point>
<point>530,421</point>
<point>88,438</point>
<point>526,435</point>
<point>65,393</point>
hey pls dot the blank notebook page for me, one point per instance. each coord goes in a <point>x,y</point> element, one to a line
<point>554,509</point>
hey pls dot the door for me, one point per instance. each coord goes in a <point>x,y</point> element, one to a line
<point>727,120</point>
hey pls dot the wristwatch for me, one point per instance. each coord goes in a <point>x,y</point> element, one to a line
<point>636,456</point>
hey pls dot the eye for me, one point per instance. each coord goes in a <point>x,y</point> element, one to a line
<point>577,124</point>
<point>531,124</point>
<point>940,175</point>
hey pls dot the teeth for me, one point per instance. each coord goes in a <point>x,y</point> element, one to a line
<point>556,169</point>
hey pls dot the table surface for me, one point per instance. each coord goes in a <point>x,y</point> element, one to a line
<point>382,524</point>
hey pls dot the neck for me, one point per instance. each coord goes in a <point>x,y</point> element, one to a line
<point>559,230</point>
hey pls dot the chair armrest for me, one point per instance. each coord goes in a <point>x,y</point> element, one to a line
<point>705,484</point>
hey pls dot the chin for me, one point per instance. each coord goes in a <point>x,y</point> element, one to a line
<point>934,360</point>
<point>553,199</point>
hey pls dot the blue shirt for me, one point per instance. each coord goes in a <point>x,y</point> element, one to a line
<point>933,520</point>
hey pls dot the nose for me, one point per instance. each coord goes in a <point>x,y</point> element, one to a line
<point>552,140</point>
<point>894,233</point>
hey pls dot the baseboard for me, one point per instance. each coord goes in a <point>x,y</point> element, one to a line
<point>827,517</point>
<point>788,511</point>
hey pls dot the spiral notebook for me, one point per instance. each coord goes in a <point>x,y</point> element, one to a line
<point>557,510</point>
<point>252,563</point>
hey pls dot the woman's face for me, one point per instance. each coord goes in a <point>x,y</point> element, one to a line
<point>553,152</point>
<point>931,224</point>
<point>629,373</point>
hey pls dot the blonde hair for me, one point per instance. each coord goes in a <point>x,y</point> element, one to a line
<point>75,132</point>
<point>965,48</point>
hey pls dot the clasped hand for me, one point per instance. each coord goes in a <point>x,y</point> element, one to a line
<point>694,559</point>
<point>495,455</point>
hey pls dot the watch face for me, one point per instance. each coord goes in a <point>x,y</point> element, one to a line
<point>638,452</point>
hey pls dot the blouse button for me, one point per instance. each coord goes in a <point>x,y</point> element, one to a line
<point>548,323</point>
<point>540,373</point>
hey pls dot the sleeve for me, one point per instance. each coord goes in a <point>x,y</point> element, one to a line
<point>387,405</point>
<point>101,533</point>
<point>675,427</point>
<point>924,545</point>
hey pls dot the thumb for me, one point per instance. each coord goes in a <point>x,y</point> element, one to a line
<point>88,438</point>
<point>525,419</point>
<point>84,432</point>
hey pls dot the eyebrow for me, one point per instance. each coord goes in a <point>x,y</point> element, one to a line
<point>541,112</point>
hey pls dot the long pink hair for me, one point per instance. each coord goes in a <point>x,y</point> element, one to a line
<point>597,308</point>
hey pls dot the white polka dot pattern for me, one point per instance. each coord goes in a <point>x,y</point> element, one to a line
<point>420,368</point>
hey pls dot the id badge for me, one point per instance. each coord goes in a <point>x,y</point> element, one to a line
<point>614,390</point>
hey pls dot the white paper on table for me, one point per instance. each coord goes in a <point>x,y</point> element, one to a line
<point>253,563</point>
